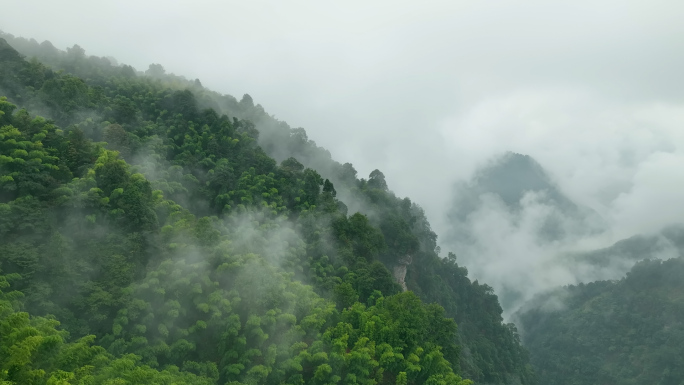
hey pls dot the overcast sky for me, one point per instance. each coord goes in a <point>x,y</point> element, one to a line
<point>426,90</point>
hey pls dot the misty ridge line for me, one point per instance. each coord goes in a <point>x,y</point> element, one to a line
<point>157,70</point>
<point>276,137</point>
<point>319,157</point>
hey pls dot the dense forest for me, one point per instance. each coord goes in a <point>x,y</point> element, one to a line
<point>156,232</point>
<point>611,332</point>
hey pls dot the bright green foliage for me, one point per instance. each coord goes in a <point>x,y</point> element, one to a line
<point>611,332</point>
<point>34,351</point>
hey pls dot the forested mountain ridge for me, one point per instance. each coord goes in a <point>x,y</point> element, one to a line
<point>160,233</point>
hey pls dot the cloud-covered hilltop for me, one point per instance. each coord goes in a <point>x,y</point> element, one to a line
<point>515,228</point>
<point>516,182</point>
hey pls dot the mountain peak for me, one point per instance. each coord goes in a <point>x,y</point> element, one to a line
<point>510,178</point>
<point>512,175</point>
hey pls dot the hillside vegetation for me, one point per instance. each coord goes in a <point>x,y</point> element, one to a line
<point>156,232</point>
<point>627,332</point>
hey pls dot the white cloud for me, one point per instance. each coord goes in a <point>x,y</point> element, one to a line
<point>655,200</point>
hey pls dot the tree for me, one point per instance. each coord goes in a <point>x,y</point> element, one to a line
<point>76,52</point>
<point>155,70</point>
<point>376,179</point>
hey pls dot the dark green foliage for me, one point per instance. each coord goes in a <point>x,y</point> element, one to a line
<point>494,352</point>
<point>613,332</point>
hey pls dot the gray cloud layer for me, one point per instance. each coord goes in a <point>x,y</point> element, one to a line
<point>426,91</point>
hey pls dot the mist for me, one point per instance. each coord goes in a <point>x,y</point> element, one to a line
<point>429,92</point>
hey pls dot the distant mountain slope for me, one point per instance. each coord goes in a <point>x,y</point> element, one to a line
<point>611,332</point>
<point>665,244</point>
